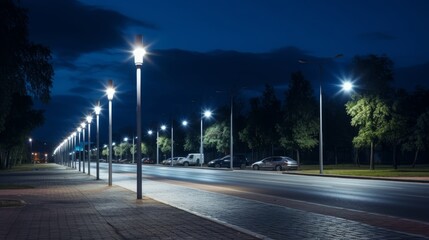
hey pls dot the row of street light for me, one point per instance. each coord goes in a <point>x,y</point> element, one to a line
<point>206,114</point>
<point>67,147</point>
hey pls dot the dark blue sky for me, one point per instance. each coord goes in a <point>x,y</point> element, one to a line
<point>200,47</point>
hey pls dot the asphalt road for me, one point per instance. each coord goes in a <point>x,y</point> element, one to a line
<point>399,199</point>
<point>281,206</point>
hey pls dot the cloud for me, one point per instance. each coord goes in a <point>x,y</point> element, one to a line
<point>376,36</point>
<point>71,28</point>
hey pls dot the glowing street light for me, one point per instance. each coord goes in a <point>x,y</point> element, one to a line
<point>139,53</point>
<point>347,86</point>
<point>110,91</point>
<point>74,149</point>
<point>207,114</point>
<point>97,110</point>
<point>83,125</point>
<point>30,140</point>
<point>79,129</point>
<point>89,120</point>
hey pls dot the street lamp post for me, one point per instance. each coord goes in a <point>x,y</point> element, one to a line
<point>74,149</point>
<point>68,151</point>
<point>89,120</point>
<point>83,125</point>
<point>97,110</point>
<point>150,132</point>
<point>206,114</point>
<point>184,123</point>
<point>139,53</point>
<point>79,129</point>
<point>110,92</point>
<point>30,140</point>
<point>321,111</point>
<point>231,144</point>
<point>163,128</point>
<point>172,144</point>
<point>134,148</point>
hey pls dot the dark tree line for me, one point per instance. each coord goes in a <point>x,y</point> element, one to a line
<point>25,73</point>
<point>375,117</point>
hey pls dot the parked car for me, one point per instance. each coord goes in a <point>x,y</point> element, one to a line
<point>147,160</point>
<point>191,159</point>
<point>165,161</point>
<point>278,163</point>
<point>239,161</point>
<point>175,159</point>
<point>124,161</point>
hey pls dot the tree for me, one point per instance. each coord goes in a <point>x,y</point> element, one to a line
<point>25,70</point>
<point>299,128</point>
<point>15,135</point>
<point>376,75</point>
<point>125,148</point>
<point>218,136</point>
<point>117,151</point>
<point>144,148</point>
<point>251,134</point>
<point>369,109</point>
<point>371,115</point>
<point>191,142</point>
<point>105,152</point>
<point>260,131</point>
<point>418,139</point>
<point>164,144</point>
<point>418,114</point>
<point>397,128</point>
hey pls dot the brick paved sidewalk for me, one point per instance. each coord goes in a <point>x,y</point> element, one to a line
<point>65,204</point>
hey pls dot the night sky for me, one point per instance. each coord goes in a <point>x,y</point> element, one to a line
<point>201,51</point>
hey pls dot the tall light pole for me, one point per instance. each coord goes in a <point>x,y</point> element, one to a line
<point>150,132</point>
<point>184,123</point>
<point>163,128</point>
<point>30,140</point>
<point>110,93</point>
<point>321,111</point>
<point>139,53</point>
<point>79,129</point>
<point>74,149</point>
<point>83,125</point>
<point>97,110</point>
<point>89,120</point>
<point>231,144</point>
<point>172,144</point>
<point>206,114</point>
<point>134,147</point>
<point>68,151</point>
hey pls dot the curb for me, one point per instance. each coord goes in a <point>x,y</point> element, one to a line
<point>361,177</point>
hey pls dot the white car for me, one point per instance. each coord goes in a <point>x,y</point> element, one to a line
<point>191,159</point>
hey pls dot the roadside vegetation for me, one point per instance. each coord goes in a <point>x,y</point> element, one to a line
<point>363,170</point>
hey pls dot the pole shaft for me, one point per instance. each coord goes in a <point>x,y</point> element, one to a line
<point>110,143</point>
<point>172,144</point>
<point>139,134</point>
<point>231,154</point>
<point>98,146</point>
<point>201,142</point>
<point>89,148</point>
<point>83,150</point>
<point>321,132</point>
